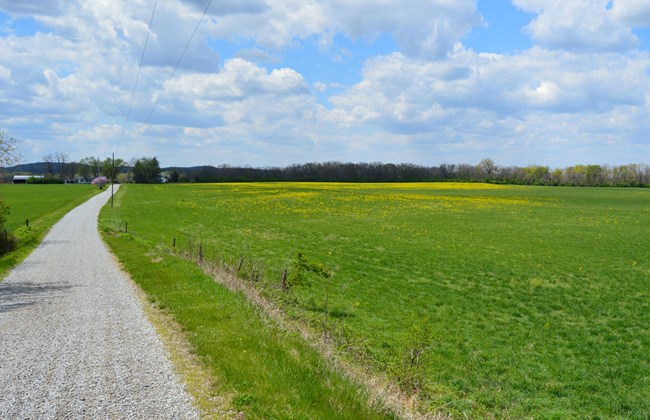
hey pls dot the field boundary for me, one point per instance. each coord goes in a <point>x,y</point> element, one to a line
<point>383,391</point>
<point>187,364</point>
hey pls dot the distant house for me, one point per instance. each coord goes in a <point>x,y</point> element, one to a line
<point>22,179</point>
<point>78,180</point>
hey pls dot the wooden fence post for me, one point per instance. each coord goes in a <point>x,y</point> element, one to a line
<point>284,285</point>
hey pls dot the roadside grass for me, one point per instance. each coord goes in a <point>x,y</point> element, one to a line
<point>259,369</point>
<point>480,300</point>
<point>42,206</point>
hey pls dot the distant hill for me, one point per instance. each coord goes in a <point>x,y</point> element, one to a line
<point>188,168</point>
<point>38,168</point>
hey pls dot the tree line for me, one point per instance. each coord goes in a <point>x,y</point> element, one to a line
<point>631,175</point>
<point>56,168</point>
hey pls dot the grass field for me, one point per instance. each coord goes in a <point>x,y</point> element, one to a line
<point>482,299</point>
<point>43,206</point>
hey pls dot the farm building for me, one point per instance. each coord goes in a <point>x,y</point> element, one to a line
<point>22,179</point>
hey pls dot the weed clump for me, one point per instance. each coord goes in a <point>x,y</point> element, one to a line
<point>303,266</point>
<point>409,368</point>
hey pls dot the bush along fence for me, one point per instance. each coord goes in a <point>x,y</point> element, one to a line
<point>8,242</point>
<point>301,273</point>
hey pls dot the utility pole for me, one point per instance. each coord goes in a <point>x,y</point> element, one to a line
<point>112,180</point>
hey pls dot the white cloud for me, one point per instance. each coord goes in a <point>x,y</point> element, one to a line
<point>31,7</point>
<point>320,87</point>
<point>577,25</point>
<point>239,79</point>
<point>424,28</point>
<point>5,74</point>
<point>400,92</point>
<point>493,102</point>
<point>634,12</point>
<point>232,7</point>
<point>240,108</point>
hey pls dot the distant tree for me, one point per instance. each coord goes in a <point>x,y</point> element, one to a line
<point>70,170</point>
<point>146,170</point>
<point>174,177</point>
<point>594,175</point>
<point>61,158</point>
<point>93,164</point>
<point>487,168</point>
<point>536,174</point>
<point>123,178</point>
<point>49,165</point>
<point>83,169</point>
<point>556,176</point>
<point>108,166</point>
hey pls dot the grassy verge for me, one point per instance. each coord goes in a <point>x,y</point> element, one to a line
<point>261,370</point>
<point>42,206</point>
<point>479,299</point>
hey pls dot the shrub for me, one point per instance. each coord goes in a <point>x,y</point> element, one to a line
<point>7,241</point>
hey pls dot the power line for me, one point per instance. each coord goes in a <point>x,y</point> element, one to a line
<point>205,11</point>
<point>180,59</point>
<point>137,79</point>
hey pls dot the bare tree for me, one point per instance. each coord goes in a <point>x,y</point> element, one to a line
<point>61,159</point>
<point>8,153</point>
<point>49,165</point>
<point>8,156</point>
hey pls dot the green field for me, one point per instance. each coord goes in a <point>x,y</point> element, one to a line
<point>482,299</point>
<point>43,206</point>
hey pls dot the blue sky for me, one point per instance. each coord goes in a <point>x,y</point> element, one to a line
<point>275,82</point>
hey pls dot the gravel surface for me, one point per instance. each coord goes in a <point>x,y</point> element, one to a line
<point>74,341</point>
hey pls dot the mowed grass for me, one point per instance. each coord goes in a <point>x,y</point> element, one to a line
<point>518,301</point>
<point>43,206</point>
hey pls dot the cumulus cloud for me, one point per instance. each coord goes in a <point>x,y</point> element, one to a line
<point>527,104</point>
<point>5,73</point>
<point>633,12</point>
<point>31,7</point>
<point>577,25</point>
<point>243,91</point>
<point>424,28</point>
<point>231,7</point>
<point>120,26</point>
<point>398,90</point>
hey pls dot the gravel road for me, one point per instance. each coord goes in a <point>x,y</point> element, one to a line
<point>74,341</point>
